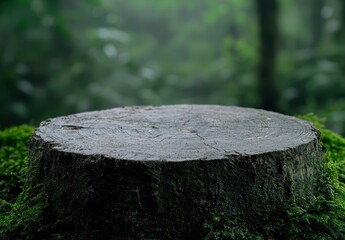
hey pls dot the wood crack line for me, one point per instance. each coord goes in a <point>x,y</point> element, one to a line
<point>206,144</point>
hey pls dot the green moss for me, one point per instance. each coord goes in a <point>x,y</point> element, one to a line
<point>21,212</point>
<point>25,218</point>
<point>222,228</point>
<point>334,148</point>
<point>28,217</point>
<point>13,160</point>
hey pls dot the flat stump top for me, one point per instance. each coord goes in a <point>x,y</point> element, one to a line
<point>176,132</point>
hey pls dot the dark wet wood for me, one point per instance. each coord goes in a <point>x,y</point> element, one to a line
<point>161,171</point>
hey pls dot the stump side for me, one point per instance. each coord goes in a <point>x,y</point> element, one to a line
<point>97,196</point>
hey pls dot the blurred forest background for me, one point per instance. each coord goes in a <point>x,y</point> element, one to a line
<point>60,57</point>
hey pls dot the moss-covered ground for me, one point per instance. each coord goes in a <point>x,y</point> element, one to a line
<point>24,216</point>
<point>21,204</point>
<point>13,160</point>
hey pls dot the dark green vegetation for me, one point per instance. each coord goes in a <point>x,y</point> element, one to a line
<point>24,218</point>
<point>20,216</point>
<point>97,54</point>
<point>13,160</point>
<point>323,220</point>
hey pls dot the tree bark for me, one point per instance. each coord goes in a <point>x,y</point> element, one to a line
<point>268,34</point>
<point>316,23</point>
<point>341,38</point>
<point>160,172</point>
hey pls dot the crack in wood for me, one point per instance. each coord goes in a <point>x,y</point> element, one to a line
<point>206,144</point>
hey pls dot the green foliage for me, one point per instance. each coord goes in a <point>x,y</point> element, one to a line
<point>22,219</point>
<point>222,228</point>
<point>13,160</point>
<point>100,54</point>
<point>334,148</point>
<point>323,220</point>
<point>25,218</point>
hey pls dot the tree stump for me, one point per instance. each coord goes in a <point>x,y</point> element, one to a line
<point>160,172</point>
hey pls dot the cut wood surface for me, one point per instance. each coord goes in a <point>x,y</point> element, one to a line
<point>160,172</point>
<point>176,133</point>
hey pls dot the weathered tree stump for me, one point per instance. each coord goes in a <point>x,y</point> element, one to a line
<point>159,172</point>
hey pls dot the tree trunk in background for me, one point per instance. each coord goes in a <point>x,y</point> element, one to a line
<point>341,32</point>
<point>268,34</point>
<point>341,37</point>
<point>342,18</point>
<point>316,23</point>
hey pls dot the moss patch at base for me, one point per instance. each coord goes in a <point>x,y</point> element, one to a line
<point>21,217</point>
<point>13,160</point>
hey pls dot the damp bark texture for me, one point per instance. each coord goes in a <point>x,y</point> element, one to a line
<point>160,172</point>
